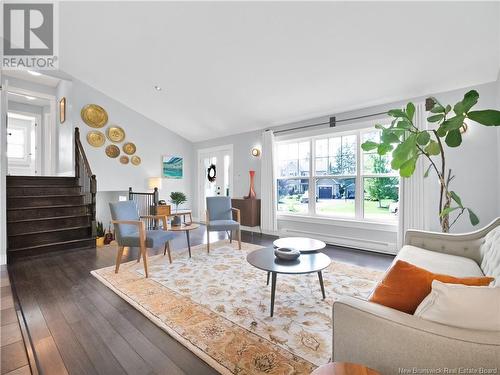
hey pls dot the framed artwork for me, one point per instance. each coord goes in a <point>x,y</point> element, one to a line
<point>171,167</point>
<point>62,110</point>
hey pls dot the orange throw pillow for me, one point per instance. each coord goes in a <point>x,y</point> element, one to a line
<point>404,286</point>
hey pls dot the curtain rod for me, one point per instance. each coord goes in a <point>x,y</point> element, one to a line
<point>332,122</point>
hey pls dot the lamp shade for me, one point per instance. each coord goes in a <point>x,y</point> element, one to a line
<point>154,182</point>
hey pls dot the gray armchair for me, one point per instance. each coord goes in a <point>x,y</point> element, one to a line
<point>131,232</point>
<point>220,218</point>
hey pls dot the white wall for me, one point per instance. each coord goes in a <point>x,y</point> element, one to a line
<point>151,139</point>
<point>476,165</point>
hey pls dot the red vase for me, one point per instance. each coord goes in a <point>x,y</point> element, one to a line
<point>251,192</point>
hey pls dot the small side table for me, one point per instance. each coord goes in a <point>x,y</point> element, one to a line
<point>186,228</point>
<point>344,368</point>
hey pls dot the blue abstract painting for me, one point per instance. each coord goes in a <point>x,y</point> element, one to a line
<point>172,167</point>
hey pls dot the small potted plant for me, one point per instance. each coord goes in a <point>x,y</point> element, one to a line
<point>177,198</point>
<point>99,241</point>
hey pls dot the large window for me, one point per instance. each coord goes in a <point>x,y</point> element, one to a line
<point>340,180</point>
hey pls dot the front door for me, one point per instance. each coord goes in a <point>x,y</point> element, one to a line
<point>21,145</point>
<point>214,176</point>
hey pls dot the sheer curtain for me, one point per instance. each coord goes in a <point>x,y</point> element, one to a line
<point>268,220</point>
<point>411,190</point>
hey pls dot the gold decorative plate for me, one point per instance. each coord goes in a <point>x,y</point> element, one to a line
<point>136,160</point>
<point>129,148</point>
<point>94,115</point>
<point>96,138</point>
<point>124,159</point>
<point>115,134</point>
<point>112,151</point>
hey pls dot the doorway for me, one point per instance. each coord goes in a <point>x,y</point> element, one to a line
<point>219,161</point>
<point>23,149</point>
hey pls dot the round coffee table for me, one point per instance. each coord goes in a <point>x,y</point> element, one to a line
<point>265,260</point>
<point>303,244</point>
<point>186,228</point>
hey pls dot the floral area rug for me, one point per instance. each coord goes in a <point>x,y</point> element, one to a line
<point>217,305</point>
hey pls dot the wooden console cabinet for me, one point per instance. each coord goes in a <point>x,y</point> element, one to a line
<point>250,211</point>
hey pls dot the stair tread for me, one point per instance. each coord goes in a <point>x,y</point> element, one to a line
<point>46,218</point>
<point>45,207</point>
<point>47,196</point>
<point>51,244</point>
<point>45,186</point>
<point>49,230</point>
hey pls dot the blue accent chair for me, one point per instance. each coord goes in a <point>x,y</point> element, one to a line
<point>131,231</point>
<point>220,218</point>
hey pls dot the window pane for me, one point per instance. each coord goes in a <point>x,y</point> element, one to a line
<point>381,197</point>
<point>374,163</point>
<point>341,153</point>
<point>293,196</point>
<point>335,197</point>
<point>15,151</point>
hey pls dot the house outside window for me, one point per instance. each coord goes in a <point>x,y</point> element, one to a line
<point>330,176</point>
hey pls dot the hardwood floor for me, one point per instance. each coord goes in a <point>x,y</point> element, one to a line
<point>78,326</point>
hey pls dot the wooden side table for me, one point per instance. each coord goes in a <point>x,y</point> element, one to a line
<point>344,368</point>
<point>250,211</point>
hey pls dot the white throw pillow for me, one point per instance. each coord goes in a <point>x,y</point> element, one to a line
<point>473,307</point>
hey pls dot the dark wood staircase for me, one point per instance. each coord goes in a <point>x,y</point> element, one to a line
<point>47,214</point>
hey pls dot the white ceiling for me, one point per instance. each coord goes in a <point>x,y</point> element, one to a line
<point>227,67</point>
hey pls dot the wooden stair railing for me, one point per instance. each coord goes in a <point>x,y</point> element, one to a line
<point>86,179</point>
<point>146,204</point>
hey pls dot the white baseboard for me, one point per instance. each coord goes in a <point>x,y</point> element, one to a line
<point>356,243</point>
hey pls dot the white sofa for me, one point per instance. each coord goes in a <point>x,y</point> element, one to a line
<point>388,340</point>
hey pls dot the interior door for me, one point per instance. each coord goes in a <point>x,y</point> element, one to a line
<point>220,160</point>
<point>21,143</point>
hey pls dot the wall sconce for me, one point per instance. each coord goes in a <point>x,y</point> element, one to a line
<point>154,182</point>
<point>255,152</point>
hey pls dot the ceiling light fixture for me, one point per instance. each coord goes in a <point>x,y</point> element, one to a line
<point>33,73</point>
<point>157,88</point>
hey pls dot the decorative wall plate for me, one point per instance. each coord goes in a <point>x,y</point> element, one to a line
<point>115,134</point>
<point>129,148</point>
<point>136,160</point>
<point>124,159</point>
<point>112,151</point>
<point>94,115</point>
<point>96,138</point>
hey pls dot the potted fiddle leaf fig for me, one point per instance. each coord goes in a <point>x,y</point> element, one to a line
<point>408,143</point>
<point>177,198</point>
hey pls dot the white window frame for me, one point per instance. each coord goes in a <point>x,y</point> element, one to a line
<point>359,176</point>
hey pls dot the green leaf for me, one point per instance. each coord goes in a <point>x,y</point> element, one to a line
<point>441,132</point>
<point>437,109</point>
<point>448,210</point>
<point>384,148</point>
<point>456,198</point>
<point>470,100</point>
<point>379,126</point>
<point>403,125</point>
<point>404,151</point>
<point>369,145</point>
<point>408,167</point>
<point>488,117</point>
<point>459,108</point>
<point>447,109</point>
<point>453,123</point>
<point>426,174</point>
<point>410,110</point>
<point>453,138</point>
<point>397,113</point>
<point>435,118</point>
<point>388,136</point>
<point>474,220</point>
<point>423,138</point>
<point>433,148</point>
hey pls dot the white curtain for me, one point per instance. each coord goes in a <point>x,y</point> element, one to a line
<point>268,220</point>
<point>411,190</point>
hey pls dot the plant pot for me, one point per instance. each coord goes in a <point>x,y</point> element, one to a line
<point>176,221</point>
<point>99,241</point>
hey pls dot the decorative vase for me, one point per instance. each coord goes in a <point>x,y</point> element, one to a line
<point>251,192</point>
<point>176,221</point>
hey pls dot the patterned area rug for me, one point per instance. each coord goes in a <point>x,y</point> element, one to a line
<point>217,305</point>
